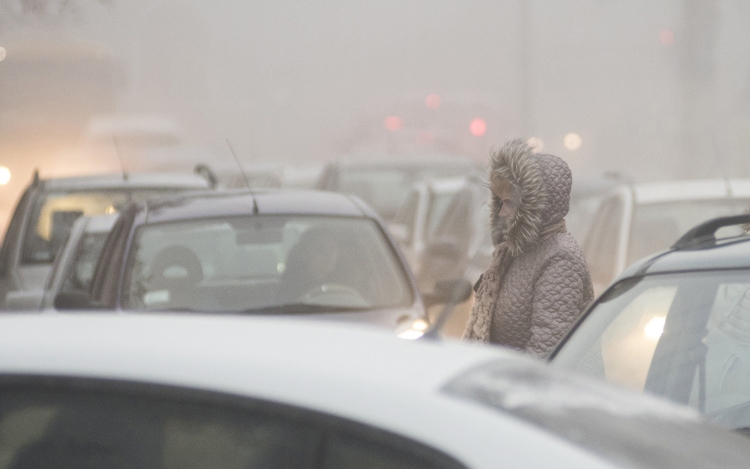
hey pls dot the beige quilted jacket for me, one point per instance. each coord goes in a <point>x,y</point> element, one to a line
<point>547,285</point>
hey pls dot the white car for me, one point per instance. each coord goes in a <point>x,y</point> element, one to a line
<point>108,390</point>
<point>636,220</point>
<point>420,214</point>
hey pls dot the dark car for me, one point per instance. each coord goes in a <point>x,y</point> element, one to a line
<point>49,207</point>
<point>676,324</point>
<point>261,252</point>
<point>384,183</point>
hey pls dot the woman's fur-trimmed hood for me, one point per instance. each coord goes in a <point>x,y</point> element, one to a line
<point>543,182</point>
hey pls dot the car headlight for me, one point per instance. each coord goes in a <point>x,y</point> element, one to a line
<point>412,330</point>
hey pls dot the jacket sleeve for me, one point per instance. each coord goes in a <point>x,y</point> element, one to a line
<point>559,298</point>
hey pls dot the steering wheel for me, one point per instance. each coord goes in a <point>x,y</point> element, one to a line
<point>330,291</point>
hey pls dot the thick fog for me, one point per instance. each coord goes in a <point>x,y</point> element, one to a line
<point>651,89</point>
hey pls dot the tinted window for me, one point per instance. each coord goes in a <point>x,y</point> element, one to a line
<point>54,213</point>
<point>262,262</point>
<point>81,426</point>
<point>100,430</point>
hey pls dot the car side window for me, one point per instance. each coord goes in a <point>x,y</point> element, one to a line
<point>83,424</point>
<point>345,451</point>
<point>408,213</point>
<point>106,274</point>
<point>457,223</point>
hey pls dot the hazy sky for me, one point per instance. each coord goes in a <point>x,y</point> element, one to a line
<point>293,79</point>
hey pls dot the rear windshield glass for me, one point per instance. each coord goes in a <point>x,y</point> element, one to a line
<point>264,262</point>
<point>685,337</point>
<point>54,213</point>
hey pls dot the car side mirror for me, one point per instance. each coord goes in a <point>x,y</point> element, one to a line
<point>400,232</point>
<point>73,300</point>
<point>448,291</point>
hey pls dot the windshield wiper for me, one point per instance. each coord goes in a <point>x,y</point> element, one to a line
<point>304,308</point>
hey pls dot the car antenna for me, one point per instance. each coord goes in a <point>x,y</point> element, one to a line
<point>457,293</point>
<point>124,171</point>
<point>236,160</point>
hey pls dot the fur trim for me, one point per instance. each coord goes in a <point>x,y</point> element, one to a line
<point>515,162</point>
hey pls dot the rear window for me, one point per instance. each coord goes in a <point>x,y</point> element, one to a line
<point>54,213</point>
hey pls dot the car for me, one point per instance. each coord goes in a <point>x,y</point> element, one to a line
<point>152,391</point>
<point>676,324</point>
<point>586,196</point>
<point>418,217</point>
<point>385,182</point>
<point>461,248</point>
<point>635,220</point>
<point>73,266</point>
<point>47,209</point>
<point>256,252</point>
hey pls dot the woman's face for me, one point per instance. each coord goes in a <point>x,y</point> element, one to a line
<point>509,198</point>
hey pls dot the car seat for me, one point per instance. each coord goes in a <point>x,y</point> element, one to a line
<point>178,270</point>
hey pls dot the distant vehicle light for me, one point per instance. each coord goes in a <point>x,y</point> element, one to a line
<point>666,37</point>
<point>572,141</point>
<point>393,123</point>
<point>432,101</point>
<point>536,144</point>
<point>3,53</point>
<point>478,127</point>
<point>4,175</point>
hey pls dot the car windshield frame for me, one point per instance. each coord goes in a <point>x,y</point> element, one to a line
<point>400,279</point>
<point>689,341</point>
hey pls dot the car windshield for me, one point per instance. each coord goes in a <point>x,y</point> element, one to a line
<point>81,270</point>
<point>685,337</point>
<point>268,263</point>
<point>658,226</point>
<point>54,214</point>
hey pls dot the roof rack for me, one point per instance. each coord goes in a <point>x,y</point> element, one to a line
<point>706,232</point>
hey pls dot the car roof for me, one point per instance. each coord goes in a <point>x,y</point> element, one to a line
<point>132,181</point>
<point>449,184</point>
<point>404,161</point>
<point>707,189</point>
<point>261,202</point>
<point>730,253</point>
<point>352,372</point>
